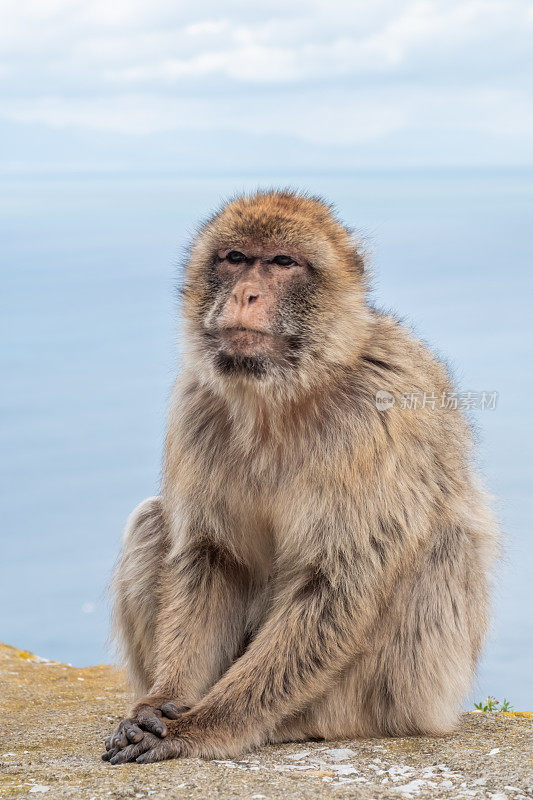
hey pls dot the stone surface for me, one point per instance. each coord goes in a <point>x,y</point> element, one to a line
<point>54,718</point>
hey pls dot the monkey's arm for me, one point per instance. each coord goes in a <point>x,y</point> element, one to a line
<point>317,626</point>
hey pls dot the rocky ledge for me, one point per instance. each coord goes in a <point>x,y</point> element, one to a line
<point>54,719</point>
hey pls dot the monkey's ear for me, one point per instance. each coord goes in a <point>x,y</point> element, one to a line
<point>357,255</point>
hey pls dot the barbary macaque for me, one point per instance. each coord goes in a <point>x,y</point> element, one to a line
<point>317,563</point>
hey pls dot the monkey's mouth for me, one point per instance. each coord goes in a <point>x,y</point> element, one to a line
<point>252,352</point>
<point>246,341</point>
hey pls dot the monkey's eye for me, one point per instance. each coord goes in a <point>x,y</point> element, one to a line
<point>235,257</point>
<point>283,261</point>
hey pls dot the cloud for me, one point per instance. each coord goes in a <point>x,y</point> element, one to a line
<point>128,42</point>
<point>275,51</point>
<point>328,72</point>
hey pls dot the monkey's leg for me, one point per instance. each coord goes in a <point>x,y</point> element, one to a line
<point>135,611</point>
<point>424,661</point>
<point>426,643</point>
<point>136,591</point>
<point>202,619</point>
<point>198,631</point>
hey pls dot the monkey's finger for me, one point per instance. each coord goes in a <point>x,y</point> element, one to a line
<point>172,711</point>
<point>151,722</point>
<point>108,743</point>
<point>133,732</point>
<point>119,739</point>
<point>131,752</point>
<point>108,755</point>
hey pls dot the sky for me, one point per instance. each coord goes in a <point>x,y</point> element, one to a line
<point>124,122</point>
<point>305,84</point>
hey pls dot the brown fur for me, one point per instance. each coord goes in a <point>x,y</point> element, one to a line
<point>314,567</point>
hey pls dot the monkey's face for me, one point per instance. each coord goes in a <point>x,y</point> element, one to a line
<point>273,285</point>
<point>253,321</point>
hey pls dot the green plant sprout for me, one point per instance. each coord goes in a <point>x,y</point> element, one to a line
<point>491,704</point>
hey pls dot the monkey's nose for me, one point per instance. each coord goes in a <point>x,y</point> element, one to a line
<point>244,297</point>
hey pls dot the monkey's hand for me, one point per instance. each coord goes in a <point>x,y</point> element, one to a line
<point>184,739</point>
<point>146,718</point>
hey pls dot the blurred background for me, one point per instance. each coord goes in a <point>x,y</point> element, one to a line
<point>122,125</point>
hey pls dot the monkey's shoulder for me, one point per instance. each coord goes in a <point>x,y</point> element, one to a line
<point>400,361</point>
